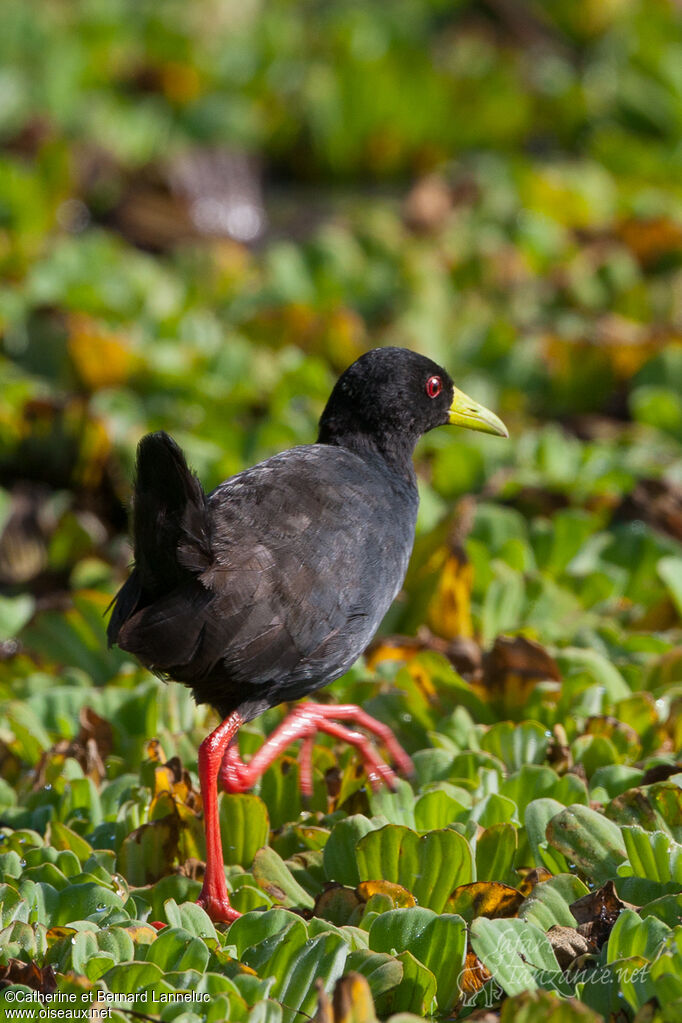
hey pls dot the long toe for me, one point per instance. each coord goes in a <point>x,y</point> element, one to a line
<point>303,723</point>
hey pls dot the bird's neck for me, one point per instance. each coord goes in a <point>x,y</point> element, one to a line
<point>387,450</point>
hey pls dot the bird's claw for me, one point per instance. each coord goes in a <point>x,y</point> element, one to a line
<point>303,723</point>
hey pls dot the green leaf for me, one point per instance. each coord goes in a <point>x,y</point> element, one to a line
<point>416,992</point>
<point>493,809</point>
<point>275,878</point>
<point>547,1006</point>
<point>430,866</point>
<point>132,977</point>
<point>633,936</point>
<point>495,850</point>
<point>15,612</point>
<point>580,660</point>
<point>538,814</point>
<point>516,744</point>
<point>190,917</point>
<point>533,781</point>
<point>588,839</point>
<point>339,852</point>
<point>503,603</point>
<point>436,809</point>
<point>670,572</point>
<point>253,928</point>
<point>397,807</point>
<point>514,951</point>
<point>177,949</point>
<point>244,827</point>
<point>668,908</point>
<point>180,889</point>
<point>382,971</point>
<point>548,903</point>
<point>652,855</point>
<point>439,942</point>
<point>296,964</point>
<point>62,837</point>
<point>148,852</point>
<point>84,901</point>
<point>12,906</point>
<point>666,974</point>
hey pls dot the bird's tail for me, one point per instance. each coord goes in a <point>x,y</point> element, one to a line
<point>170,528</point>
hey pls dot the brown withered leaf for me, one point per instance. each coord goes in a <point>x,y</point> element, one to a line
<point>568,943</point>
<point>559,754</point>
<point>651,238</point>
<point>474,974</point>
<point>466,657</point>
<point>530,500</point>
<point>512,668</point>
<point>192,868</point>
<point>323,1013</point>
<point>337,903</point>
<point>95,729</point>
<point>38,978</point>
<point>428,203</point>
<point>531,878</point>
<point>25,535</point>
<point>90,748</point>
<point>484,898</point>
<point>393,648</point>
<point>654,501</point>
<point>660,772</point>
<point>597,912</point>
<point>521,658</point>
<point>650,1012</point>
<point>149,852</point>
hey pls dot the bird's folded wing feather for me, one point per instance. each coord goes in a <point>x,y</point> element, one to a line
<point>301,568</point>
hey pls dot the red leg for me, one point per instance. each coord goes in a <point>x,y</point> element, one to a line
<point>213,896</point>
<point>303,723</point>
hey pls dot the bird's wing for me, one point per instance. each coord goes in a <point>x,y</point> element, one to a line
<point>306,553</point>
<point>302,551</point>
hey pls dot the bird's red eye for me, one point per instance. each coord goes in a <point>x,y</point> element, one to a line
<point>434,385</point>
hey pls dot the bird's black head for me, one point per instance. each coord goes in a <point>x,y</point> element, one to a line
<point>389,397</point>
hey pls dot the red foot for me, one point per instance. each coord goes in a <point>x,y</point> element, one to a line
<point>219,910</point>
<point>303,723</point>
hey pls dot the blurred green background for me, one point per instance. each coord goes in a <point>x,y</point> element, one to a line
<point>208,210</point>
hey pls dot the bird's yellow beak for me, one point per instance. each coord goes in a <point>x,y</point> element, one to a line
<point>464,411</point>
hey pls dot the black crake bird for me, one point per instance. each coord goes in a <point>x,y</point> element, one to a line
<point>273,585</point>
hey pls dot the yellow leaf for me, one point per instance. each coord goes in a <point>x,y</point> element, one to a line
<point>449,610</point>
<point>485,898</point>
<point>400,896</point>
<point>101,357</point>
